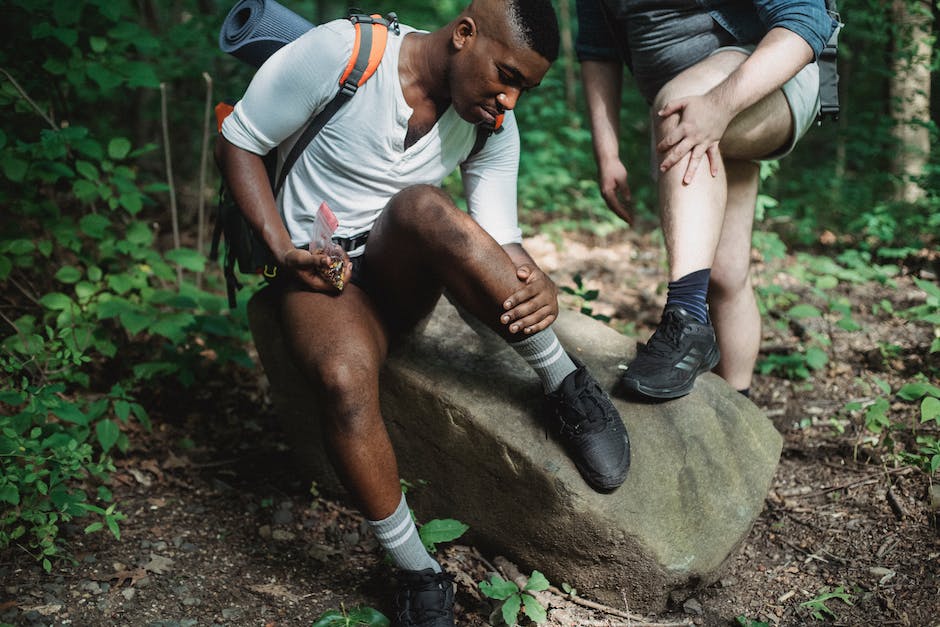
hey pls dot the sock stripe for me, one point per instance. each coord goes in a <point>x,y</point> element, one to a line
<point>391,544</point>
<point>547,357</point>
<point>398,530</point>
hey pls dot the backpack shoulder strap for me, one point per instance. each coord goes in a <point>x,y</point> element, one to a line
<point>368,49</point>
<point>483,134</point>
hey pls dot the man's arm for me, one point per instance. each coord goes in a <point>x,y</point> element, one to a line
<point>247,180</point>
<point>603,81</point>
<point>701,121</point>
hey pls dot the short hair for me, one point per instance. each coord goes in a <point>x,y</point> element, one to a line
<point>536,22</point>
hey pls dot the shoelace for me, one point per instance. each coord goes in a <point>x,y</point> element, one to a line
<point>666,336</point>
<point>593,420</point>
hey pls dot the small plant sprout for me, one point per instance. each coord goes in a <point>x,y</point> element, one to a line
<point>516,600</point>
<point>818,607</point>
<point>355,617</point>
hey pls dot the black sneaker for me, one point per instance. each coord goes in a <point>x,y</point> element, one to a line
<point>680,349</point>
<point>589,427</point>
<point>425,599</point>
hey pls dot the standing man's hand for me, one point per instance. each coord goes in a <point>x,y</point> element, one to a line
<point>612,180</point>
<point>534,307</point>
<point>695,125</point>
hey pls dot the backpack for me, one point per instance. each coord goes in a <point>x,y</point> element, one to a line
<point>828,71</point>
<point>244,248</point>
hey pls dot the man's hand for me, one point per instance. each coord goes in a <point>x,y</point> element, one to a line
<point>312,268</point>
<point>695,125</point>
<point>612,180</point>
<point>533,307</point>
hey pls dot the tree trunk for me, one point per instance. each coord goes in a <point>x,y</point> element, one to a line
<point>567,54</point>
<point>910,94</point>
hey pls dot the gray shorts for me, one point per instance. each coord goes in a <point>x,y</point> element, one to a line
<point>802,94</point>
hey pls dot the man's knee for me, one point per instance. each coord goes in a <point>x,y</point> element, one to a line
<point>419,205</point>
<point>729,281</point>
<point>347,388</point>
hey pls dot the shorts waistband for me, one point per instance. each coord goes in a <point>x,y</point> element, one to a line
<point>351,243</point>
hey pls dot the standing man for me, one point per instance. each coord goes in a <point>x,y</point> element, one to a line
<point>729,82</point>
<point>378,164</point>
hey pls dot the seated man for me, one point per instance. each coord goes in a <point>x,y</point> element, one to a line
<point>730,81</point>
<point>378,164</point>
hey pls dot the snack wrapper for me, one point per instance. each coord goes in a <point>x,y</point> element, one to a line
<point>321,241</point>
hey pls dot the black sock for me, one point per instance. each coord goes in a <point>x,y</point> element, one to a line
<point>689,292</point>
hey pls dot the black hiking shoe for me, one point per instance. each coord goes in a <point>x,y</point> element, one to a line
<point>589,427</point>
<point>679,350</point>
<point>425,599</point>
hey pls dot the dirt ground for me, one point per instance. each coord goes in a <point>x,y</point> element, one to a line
<point>220,531</point>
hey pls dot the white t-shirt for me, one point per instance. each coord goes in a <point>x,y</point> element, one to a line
<point>358,160</point>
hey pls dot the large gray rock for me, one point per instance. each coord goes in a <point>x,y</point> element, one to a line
<point>461,409</point>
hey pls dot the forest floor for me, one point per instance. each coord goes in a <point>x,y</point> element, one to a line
<point>220,531</point>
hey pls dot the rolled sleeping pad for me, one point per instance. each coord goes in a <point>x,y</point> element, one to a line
<point>255,29</point>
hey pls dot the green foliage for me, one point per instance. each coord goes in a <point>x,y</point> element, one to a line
<point>353,618</point>
<point>440,530</point>
<point>96,308</point>
<point>586,295</point>
<point>515,600</point>
<point>817,605</point>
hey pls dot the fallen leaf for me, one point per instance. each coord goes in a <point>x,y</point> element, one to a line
<point>275,590</point>
<point>158,564</point>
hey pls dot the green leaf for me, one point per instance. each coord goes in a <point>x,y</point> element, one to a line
<point>14,168</point>
<point>118,148</point>
<point>930,410</point>
<point>188,258</point>
<point>86,169</point>
<point>534,609</point>
<point>440,530</point>
<point>94,225</point>
<point>68,274</point>
<point>498,588</point>
<point>914,391</point>
<point>816,358</point>
<point>10,494</point>
<point>136,321</point>
<point>510,609</point>
<point>84,190</point>
<point>804,310</point>
<point>356,616</point>
<point>139,234</point>
<point>98,44</point>
<point>122,409</point>
<point>56,301</point>
<point>537,582</point>
<point>5,267</point>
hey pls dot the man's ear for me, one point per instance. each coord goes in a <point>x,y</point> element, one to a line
<point>465,30</point>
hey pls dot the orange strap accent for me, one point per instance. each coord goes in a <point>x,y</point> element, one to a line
<point>499,121</point>
<point>222,111</point>
<point>379,39</point>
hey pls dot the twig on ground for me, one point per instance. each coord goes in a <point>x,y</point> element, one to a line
<point>873,478</point>
<point>174,215</point>
<point>636,620</point>
<point>895,504</point>
<point>201,206</point>
<point>31,102</point>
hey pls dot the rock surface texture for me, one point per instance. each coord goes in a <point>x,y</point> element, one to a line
<point>463,413</point>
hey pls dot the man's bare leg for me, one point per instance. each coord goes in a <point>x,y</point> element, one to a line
<point>731,300</point>
<point>702,237</point>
